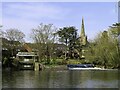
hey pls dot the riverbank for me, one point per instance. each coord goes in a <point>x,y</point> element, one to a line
<point>59,66</point>
<point>64,67</point>
<point>56,67</point>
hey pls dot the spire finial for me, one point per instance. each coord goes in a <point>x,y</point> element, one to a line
<point>82,28</point>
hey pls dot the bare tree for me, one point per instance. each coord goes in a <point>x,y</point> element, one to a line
<point>15,37</point>
<point>44,37</point>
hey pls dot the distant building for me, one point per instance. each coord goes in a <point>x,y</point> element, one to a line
<point>83,40</point>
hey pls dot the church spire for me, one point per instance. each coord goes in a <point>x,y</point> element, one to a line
<point>82,28</point>
<point>83,37</point>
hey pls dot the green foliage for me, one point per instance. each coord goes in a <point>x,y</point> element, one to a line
<point>68,36</point>
<point>104,50</point>
<point>115,29</point>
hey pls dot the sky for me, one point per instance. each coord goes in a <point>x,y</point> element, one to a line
<point>25,16</point>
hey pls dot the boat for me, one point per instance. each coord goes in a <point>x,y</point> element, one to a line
<point>82,67</point>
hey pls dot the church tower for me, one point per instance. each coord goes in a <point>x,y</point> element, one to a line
<point>83,37</point>
<point>83,40</point>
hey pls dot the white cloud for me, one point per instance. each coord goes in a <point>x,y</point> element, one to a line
<point>35,11</point>
<point>25,16</point>
<point>22,25</point>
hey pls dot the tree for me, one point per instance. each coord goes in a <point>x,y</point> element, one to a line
<point>104,51</point>
<point>44,37</point>
<point>1,32</point>
<point>115,29</point>
<point>15,35</point>
<point>15,38</point>
<point>115,34</point>
<point>68,36</point>
<point>0,42</point>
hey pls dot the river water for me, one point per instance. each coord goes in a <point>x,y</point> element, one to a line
<point>60,79</point>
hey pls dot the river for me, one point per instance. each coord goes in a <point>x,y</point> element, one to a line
<point>60,79</point>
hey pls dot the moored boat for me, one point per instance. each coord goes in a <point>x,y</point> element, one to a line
<point>82,67</point>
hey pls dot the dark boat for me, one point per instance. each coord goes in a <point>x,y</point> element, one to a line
<point>82,67</point>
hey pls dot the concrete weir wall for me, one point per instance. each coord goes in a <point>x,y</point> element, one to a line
<point>38,66</point>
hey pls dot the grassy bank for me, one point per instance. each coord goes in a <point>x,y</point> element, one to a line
<point>61,64</point>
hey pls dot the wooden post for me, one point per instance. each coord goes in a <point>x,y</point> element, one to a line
<point>36,66</point>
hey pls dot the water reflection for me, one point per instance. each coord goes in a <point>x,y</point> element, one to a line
<point>60,79</point>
